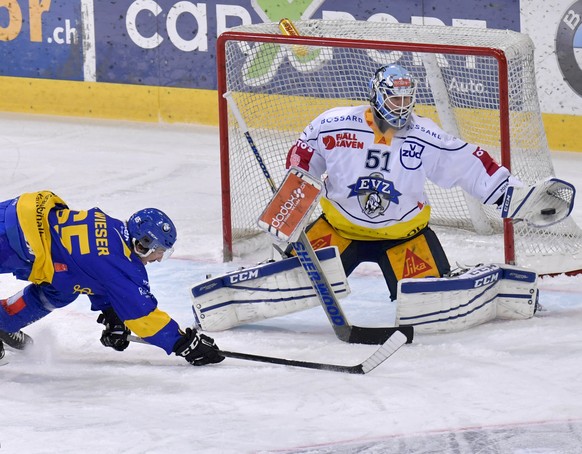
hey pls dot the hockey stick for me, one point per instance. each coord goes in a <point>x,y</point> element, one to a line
<point>386,350</point>
<point>342,328</point>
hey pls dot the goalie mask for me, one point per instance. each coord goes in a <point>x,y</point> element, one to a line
<point>151,230</point>
<point>392,95</point>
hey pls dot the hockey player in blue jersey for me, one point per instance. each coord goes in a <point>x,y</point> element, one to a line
<point>66,253</point>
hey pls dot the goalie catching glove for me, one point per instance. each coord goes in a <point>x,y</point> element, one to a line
<point>115,333</point>
<point>541,205</point>
<point>197,349</point>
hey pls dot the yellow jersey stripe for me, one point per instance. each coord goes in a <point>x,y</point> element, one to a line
<point>150,324</point>
<point>353,231</point>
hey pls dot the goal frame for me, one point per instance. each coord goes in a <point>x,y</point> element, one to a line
<point>224,38</point>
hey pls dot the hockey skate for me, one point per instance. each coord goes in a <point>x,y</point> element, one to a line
<point>1,351</point>
<point>17,340</point>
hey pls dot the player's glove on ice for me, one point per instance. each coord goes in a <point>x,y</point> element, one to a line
<point>115,333</point>
<point>197,349</point>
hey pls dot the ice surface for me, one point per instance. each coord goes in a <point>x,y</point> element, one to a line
<point>503,387</point>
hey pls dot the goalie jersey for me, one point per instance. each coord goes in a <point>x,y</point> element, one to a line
<point>374,181</point>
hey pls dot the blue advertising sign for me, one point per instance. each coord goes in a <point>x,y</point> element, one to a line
<point>165,42</point>
<point>41,39</point>
<point>171,43</point>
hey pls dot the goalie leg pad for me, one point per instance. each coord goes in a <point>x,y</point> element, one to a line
<point>518,295</point>
<point>264,291</point>
<point>475,297</point>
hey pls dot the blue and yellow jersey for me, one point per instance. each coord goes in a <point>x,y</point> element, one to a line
<point>88,253</point>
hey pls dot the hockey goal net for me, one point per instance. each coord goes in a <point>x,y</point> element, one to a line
<point>478,84</point>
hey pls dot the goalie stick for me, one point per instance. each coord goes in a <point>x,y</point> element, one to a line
<point>386,350</point>
<point>342,328</point>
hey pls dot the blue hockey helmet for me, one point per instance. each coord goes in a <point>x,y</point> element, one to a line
<point>392,94</point>
<point>151,229</point>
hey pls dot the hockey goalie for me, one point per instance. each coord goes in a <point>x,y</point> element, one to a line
<point>374,160</point>
<point>450,303</point>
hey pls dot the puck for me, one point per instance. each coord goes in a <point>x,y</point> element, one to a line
<point>548,211</point>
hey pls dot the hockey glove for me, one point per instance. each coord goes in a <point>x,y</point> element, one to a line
<point>115,333</point>
<point>541,205</point>
<point>197,349</point>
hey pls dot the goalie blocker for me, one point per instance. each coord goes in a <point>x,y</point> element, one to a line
<point>478,295</point>
<point>291,206</point>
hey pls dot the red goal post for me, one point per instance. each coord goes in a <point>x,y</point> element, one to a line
<point>478,84</point>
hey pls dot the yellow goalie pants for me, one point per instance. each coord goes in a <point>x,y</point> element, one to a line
<point>419,256</point>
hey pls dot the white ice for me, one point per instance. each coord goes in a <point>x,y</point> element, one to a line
<point>503,387</point>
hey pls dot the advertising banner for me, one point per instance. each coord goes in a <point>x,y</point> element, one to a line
<point>41,39</point>
<point>171,43</point>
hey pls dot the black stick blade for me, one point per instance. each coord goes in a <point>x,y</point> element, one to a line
<point>377,336</point>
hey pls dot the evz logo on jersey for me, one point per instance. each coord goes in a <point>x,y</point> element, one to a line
<point>374,194</point>
<point>410,154</point>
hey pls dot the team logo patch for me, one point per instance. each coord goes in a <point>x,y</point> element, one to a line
<point>569,46</point>
<point>410,154</point>
<point>60,267</point>
<point>82,290</point>
<point>374,194</point>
